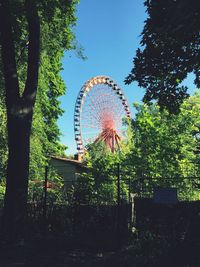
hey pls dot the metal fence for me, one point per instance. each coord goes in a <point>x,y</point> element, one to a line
<point>86,225</point>
<point>188,188</point>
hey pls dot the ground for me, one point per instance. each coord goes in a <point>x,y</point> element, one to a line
<point>140,252</point>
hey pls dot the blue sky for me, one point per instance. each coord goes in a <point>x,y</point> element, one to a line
<point>109,31</point>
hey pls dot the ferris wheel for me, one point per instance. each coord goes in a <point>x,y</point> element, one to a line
<point>99,111</point>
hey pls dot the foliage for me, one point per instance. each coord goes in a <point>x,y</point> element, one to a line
<point>83,191</point>
<point>99,184</point>
<point>45,133</point>
<point>2,190</point>
<point>56,16</point>
<point>170,50</point>
<point>164,148</point>
<point>56,185</point>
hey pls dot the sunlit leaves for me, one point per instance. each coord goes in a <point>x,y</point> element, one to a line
<point>164,145</point>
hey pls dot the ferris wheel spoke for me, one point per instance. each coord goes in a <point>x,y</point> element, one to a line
<point>89,126</point>
<point>94,105</point>
<point>89,119</point>
<point>94,119</point>
<point>89,133</point>
<point>94,113</point>
<point>89,140</point>
<point>99,99</point>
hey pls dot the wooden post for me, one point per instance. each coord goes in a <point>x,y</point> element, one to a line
<point>45,200</point>
<point>118,206</point>
<point>129,190</point>
<point>118,185</point>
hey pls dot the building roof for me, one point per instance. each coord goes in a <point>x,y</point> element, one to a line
<point>77,163</point>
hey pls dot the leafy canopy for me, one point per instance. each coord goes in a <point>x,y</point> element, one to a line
<point>170,43</point>
<point>165,148</point>
<point>57,19</point>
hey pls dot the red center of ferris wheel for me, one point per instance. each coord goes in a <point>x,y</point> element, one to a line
<point>107,122</point>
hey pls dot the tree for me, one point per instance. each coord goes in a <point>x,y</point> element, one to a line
<point>44,139</point>
<point>99,184</point>
<point>20,25</point>
<point>164,146</point>
<point>170,50</point>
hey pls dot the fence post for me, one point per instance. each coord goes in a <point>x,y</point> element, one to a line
<point>118,208</point>
<point>118,185</point>
<point>129,190</point>
<point>45,200</point>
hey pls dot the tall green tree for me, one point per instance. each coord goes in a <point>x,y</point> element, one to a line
<point>169,51</point>
<point>28,29</point>
<point>164,147</point>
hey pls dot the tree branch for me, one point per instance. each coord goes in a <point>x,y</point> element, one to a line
<point>8,55</point>
<point>33,52</point>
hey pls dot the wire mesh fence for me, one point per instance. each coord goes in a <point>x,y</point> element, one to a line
<point>188,188</point>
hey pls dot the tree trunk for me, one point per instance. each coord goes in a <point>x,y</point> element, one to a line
<point>17,177</point>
